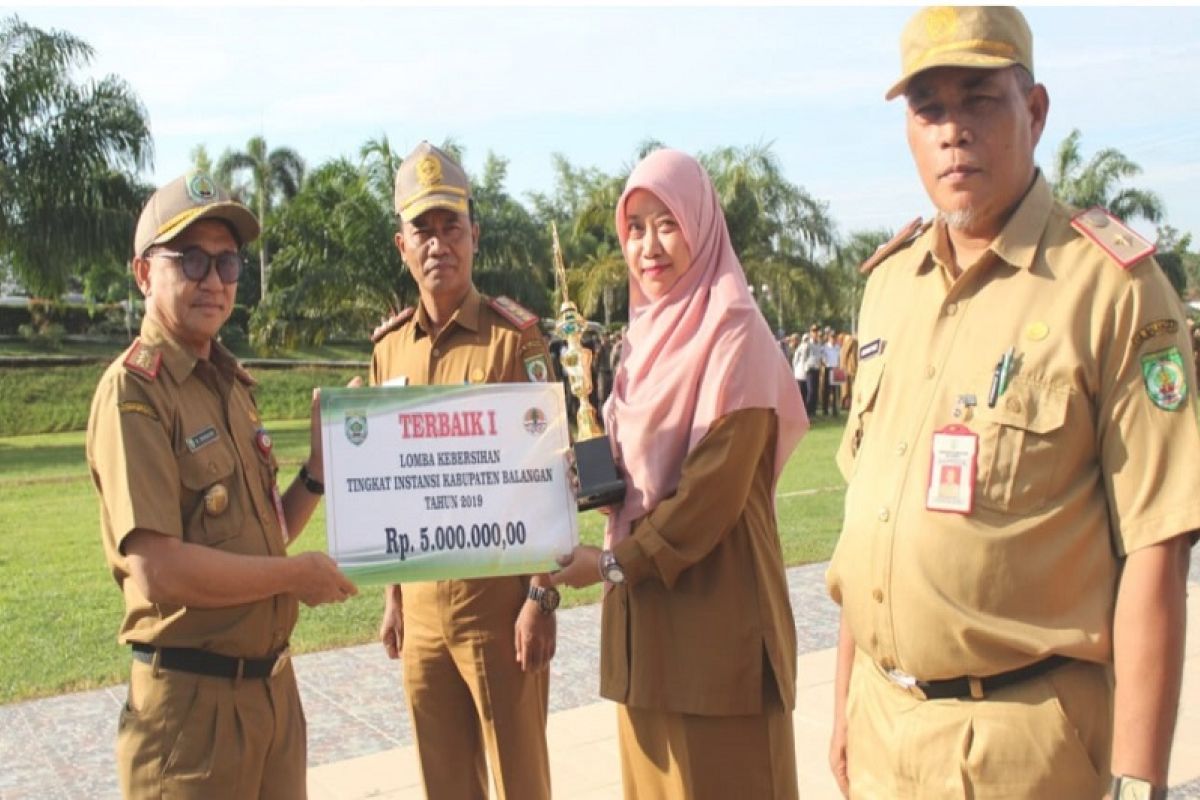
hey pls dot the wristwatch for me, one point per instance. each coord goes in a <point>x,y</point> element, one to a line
<point>313,485</point>
<point>546,597</point>
<point>610,570</point>
<point>1126,787</point>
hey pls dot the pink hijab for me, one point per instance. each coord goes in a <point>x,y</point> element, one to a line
<point>694,355</point>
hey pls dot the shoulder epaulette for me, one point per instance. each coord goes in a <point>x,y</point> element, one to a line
<point>903,237</point>
<point>391,324</point>
<point>242,375</point>
<point>143,360</point>
<point>513,311</point>
<point>1122,244</point>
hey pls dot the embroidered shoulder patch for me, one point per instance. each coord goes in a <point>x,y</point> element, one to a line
<point>1160,327</point>
<point>143,360</point>
<point>1165,376</point>
<point>537,369</point>
<point>391,324</point>
<point>903,237</point>
<point>131,407</point>
<point>513,311</point>
<point>1122,244</point>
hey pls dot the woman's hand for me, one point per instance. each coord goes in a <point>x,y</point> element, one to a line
<point>579,569</point>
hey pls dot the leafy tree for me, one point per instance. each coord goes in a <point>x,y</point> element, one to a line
<point>514,250</point>
<point>272,175</point>
<point>201,160</point>
<point>1097,182</point>
<point>848,280</point>
<point>1181,266</point>
<point>337,271</point>
<point>69,158</point>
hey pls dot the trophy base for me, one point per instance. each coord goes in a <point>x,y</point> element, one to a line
<point>599,483</point>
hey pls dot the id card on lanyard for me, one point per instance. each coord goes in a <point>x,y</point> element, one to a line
<point>952,468</point>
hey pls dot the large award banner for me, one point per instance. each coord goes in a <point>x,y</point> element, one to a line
<point>434,482</point>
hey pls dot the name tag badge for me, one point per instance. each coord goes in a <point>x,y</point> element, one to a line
<point>399,380</point>
<point>952,470</point>
<point>278,501</point>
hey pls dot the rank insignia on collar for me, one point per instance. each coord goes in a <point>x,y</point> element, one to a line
<point>143,360</point>
<point>1122,244</point>
<point>513,311</point>
<point>1165,376</point>
<point>391,323</point>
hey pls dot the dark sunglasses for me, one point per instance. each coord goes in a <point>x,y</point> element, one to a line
<point>196,263</point>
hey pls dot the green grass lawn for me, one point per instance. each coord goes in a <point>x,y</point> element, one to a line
<point>60,608</point>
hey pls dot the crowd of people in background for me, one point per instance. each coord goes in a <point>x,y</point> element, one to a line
<point>824,362</point>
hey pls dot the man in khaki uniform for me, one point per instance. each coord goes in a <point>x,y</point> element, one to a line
<point>1023,457</point>
<point>476,652</point>
<point>195,530</point>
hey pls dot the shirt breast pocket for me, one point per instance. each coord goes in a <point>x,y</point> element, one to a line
<point>211,495</point>
<point>1020,443</point>
<point>862,406</point>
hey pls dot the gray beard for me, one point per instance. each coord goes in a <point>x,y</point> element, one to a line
<point>960,219</point>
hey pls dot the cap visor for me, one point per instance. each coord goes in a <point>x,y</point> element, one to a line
<point>244,223</point>
<point>968,60</point>
<point>447,201</point>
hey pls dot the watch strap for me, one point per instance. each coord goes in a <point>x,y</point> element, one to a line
<point>310,483</point>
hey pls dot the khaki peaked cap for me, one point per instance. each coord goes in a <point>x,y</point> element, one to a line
<point>189,198</point>
<point>978,37</point>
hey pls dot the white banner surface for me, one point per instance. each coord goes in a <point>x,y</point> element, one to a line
<point>434,482</point>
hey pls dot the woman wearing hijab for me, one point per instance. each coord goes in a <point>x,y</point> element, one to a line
<point>698,644</point>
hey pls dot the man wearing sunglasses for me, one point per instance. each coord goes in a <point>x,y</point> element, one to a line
<point>194,527</point>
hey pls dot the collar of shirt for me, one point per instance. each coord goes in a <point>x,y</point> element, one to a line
<point>465,316</point>
<point>179,360</point>
<point>1017,242</point>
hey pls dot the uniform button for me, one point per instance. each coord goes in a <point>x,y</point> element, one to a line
<point>901,449</point>
<point>883,514</point>
<point>952,309</point>
<point>1012,404</point>
<point>878,595</point>
<point>930,371</point>
<point>436,352</point>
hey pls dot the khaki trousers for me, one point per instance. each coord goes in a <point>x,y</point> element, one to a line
<point>1047,737</point>
<point>468,696</point>
<point>192,736</point>
<point>671,756</point>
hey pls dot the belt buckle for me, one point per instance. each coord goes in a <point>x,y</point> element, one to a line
<point>281,660</point>
<point>905,681</point>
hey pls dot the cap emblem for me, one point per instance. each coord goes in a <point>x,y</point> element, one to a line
<point>201,188</point>
<point>429,171</point>
<point>940,23</point>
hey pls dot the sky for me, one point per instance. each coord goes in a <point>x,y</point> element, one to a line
<point>591,83</point>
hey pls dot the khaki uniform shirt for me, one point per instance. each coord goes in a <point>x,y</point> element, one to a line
<point>477,345</point>
<point>1077,464</point>
<point>168,430</point>
<point>705,596</point>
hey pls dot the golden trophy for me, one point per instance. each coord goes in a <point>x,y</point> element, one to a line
<point>599,483</point>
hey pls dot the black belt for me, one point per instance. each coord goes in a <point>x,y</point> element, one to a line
<point>202,662</point>
<point>961,687</point>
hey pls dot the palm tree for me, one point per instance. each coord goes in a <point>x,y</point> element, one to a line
<point>1096,183</point>
<point>272,174</point>
<point>70,154</point>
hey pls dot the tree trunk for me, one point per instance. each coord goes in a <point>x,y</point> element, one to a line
<point>262,247</point>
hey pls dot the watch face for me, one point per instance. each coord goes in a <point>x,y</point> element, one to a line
<point>550,599</point>
<point>1134,789</point>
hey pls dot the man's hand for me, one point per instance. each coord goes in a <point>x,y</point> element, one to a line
<point>321,581</point>
<point>837,756</point>
<point>579,569</point>
<point>316,458</point>
<point>535,635</point>
<point>391,628</point>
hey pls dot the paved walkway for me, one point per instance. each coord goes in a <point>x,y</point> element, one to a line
<point>360,737</point>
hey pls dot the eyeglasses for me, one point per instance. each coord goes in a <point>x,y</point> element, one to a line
<point>196,263</point>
